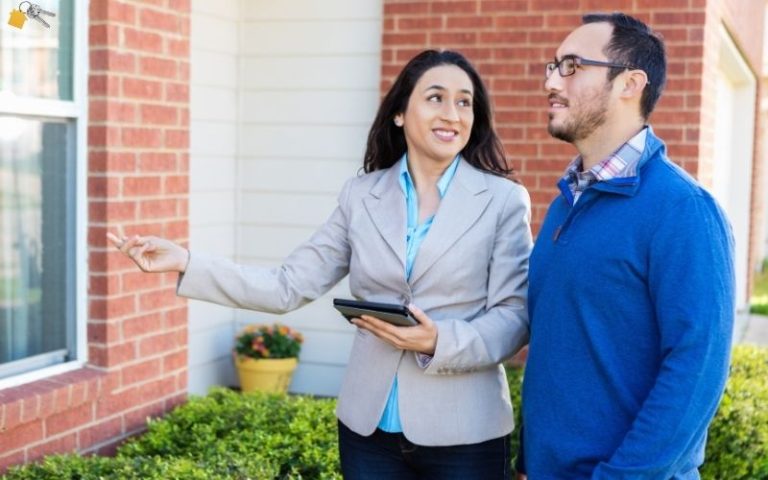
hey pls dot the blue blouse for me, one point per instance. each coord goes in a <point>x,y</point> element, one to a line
<point>415,234</point>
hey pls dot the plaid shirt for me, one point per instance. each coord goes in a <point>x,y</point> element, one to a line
<point>620,164</point>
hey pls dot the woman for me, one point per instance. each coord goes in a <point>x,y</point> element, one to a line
<point>434,223</point>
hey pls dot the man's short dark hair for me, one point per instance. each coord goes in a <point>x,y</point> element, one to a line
<point>634,43</point>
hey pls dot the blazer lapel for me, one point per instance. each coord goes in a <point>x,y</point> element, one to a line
<point>386,207</point>
<point>464,202</point>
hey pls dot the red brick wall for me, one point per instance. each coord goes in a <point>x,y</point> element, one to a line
<point>138,163</point>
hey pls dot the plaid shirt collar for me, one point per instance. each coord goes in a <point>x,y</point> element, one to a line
<point>620,164</point>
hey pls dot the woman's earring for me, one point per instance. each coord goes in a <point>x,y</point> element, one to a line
<point>398,122</point>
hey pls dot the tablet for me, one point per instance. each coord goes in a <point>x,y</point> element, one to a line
<point>389,312</point>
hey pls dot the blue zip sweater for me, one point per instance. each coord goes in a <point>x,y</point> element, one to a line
<point>631,307</point>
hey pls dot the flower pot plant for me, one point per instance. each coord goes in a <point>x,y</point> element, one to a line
<point>266,356</point>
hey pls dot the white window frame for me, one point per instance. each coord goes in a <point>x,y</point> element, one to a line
<point>75,109</point>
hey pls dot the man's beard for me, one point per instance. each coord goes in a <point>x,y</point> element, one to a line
<point>584,123</point>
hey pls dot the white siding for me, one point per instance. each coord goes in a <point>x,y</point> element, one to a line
<point>213,174</point>
<point>309,77</point>
<point>282,96</point>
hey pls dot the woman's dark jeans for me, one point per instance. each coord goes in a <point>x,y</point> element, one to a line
<point>391,456</point>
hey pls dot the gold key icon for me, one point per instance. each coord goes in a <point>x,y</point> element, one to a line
<point>17,18</point>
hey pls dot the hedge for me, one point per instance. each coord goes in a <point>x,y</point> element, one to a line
<point>737,447</point>
<point>227,435</point>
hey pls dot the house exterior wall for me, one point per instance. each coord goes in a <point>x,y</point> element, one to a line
<point>137,181</point>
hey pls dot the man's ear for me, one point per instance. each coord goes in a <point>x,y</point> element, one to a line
<point>635,82</point>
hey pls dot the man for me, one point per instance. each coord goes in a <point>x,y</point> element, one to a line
<point>631,278</point>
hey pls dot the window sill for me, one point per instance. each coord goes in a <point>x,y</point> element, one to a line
<point>42,398</point>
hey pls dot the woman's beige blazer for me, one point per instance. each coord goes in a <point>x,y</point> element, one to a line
<point>470,276</point>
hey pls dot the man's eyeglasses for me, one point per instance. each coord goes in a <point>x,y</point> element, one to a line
<point>567,65</point>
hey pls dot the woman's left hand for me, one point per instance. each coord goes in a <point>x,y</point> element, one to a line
<point>419,338</point>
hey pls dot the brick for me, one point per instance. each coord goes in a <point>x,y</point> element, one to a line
<point>176,92</point>
<point>141,137</point>
<point>158,67</point>
<point>157,162</point>
<point>176,317</point>
<point>453,38</point>
<point>661,4</point>
<point>175,361</point>
<point>21,435</point>
<point>158,115</point>
<point>141,186</point>
<point>69,419</point>
<point>142,40</point>
<point>554,5</point>
<point>137,419</point>
<point>136,280</point>
<point>100,432</point>
<point>29,408</point>
<point>176,184</point>
<point>471,22</point>
<point>157,299</point>
<point>141,372</point>
<point>157,343</point>
<point>103,136</point>
<point>159,388</point>
<point>418,23</point>
<point>509,37</point>
<point>678,18</point>
<point>410,38</point>
<point>11,415</point>
<point>183,71</point>
<point>518,21</point>
<point>178,48</point>
<point>112,60</point>
<point>103,35</point>
<point>157,209</point>
<point>180,7</point>
<point>600,5</point>
<point>103,188</point>
<point>117,12</point>
<point>400,8</point>
<point>112,355</point>
<point>497,6</point>
<point>102,84</point>
<point>64,444</point>
<point>453,6</point>
<point>142,88</point>
<point>152,19</point>
<point>176,139</point>
<point>100,161</point>
<point>142,325</point>
<point>112,307</point>
<point>103,331</point>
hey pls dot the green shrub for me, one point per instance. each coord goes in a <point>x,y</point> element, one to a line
<point>737,447</point>
<point>224,435</point>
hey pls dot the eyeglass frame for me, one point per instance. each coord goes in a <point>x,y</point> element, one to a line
<point>550,67</point>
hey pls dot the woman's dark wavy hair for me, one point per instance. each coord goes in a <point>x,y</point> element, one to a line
<point>386,141</point>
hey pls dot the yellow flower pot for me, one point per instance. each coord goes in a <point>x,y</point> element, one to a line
<point>272,375</point>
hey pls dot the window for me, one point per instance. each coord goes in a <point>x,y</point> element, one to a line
<point>41,185</point>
